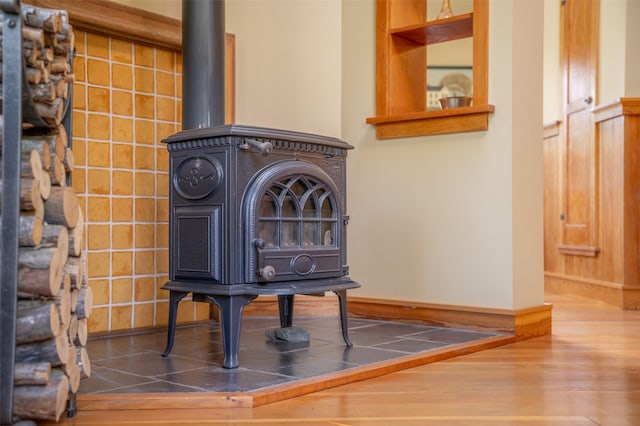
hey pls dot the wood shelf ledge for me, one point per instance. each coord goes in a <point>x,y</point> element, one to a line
<point>438,31</point>
<point>423,123</point>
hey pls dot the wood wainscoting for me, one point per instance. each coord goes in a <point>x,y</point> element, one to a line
<point>610,272</point>
<point>522,323</point>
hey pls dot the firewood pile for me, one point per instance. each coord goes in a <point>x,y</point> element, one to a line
<point>54,301</point>
<point>48,46</point>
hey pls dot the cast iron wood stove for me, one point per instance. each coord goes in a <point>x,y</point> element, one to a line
<point>253,211</point>
<point>256,211</point>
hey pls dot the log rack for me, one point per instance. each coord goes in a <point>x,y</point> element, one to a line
<point>17,107</point>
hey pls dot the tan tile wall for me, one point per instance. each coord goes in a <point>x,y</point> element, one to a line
<point>126,99</point>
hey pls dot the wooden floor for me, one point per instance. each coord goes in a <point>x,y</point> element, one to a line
<point>586,373</point>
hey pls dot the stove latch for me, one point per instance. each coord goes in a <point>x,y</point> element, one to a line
<point>262,147</point>
<point>267,272</point>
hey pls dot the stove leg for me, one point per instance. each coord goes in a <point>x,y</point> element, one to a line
<point>174,298</point>
<point>342,298</point>
<point>231,318</point>
<point>285,306</point>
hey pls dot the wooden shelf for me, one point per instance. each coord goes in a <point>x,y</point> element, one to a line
<point>438,31</point>
<point>401,64</point>
<point>454,120</point>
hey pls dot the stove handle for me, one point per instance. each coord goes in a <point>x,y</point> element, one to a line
<point>268,273</point>
<point>263,148</point>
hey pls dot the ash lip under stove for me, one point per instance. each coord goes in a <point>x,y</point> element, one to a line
<point>253,211</point>
<point>256,211</point>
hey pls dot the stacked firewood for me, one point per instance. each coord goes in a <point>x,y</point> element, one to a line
<point>54,301</point>
<point>48,48</point>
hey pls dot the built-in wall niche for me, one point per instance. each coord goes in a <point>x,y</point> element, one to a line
<point>415,51</point>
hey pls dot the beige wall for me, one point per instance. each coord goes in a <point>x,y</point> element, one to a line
<point>172,8</point>
<point>460,221</point>
<point>613,25</point>
<point>287,61</point>
<point>447,233</point>
<point>526,136</point>
<point>632,47</point>
<point>618,29</point>
<point>619,45</point>
<point>288,72</point>
<point>463,219</point>
<point>552,78</point>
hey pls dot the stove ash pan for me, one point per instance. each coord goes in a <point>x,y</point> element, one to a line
<point>251,205</point>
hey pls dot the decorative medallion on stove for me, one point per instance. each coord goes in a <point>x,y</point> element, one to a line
<point>303,264</point>
<point>197,177</point>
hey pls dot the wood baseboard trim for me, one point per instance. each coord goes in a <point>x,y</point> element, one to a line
<point>615,294</point>
<point>523,323</point>
<point>267,306</point>
<point>120,21</point>
<point>155,401</point>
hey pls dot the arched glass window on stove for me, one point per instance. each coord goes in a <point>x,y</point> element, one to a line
<point>298,211</point>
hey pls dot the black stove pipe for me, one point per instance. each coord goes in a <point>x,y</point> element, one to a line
<point>203,54</point>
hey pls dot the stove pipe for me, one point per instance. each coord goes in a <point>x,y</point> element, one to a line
<point>203,55</point>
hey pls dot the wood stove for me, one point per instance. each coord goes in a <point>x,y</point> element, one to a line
<point>256,211</point>
<point>253,211</point>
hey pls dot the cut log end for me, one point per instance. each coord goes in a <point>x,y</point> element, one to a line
<point>62,207</point>
<point>46,402</point>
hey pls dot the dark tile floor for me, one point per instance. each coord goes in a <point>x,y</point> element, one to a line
<point>133,363</point>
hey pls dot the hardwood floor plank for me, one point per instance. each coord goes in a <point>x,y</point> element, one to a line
<point>586,373</point>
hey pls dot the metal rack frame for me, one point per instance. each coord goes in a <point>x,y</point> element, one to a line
<point>12,92</point>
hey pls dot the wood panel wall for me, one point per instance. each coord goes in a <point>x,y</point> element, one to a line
<point>612,272</point>
<point>552,157</point>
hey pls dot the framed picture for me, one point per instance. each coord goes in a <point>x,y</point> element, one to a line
<point>447,81</point>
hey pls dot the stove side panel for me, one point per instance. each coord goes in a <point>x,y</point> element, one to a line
<point>200,208</point>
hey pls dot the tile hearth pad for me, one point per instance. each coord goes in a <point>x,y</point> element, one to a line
<point>133,363</point>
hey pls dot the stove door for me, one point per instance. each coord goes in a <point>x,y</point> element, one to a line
<point>294,224</point>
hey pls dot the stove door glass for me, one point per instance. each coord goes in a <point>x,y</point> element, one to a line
<point>284,223</point>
